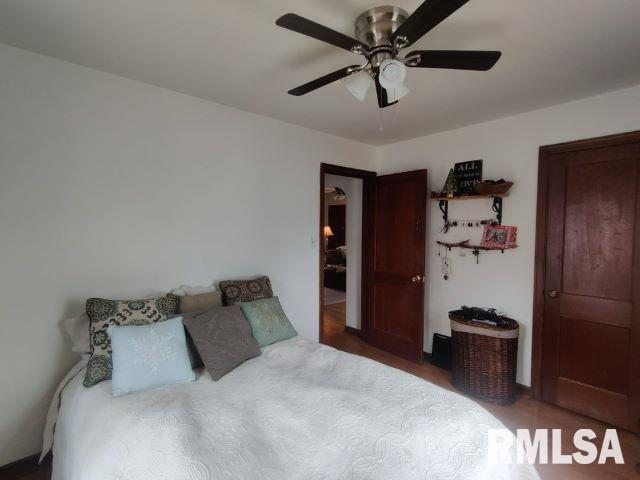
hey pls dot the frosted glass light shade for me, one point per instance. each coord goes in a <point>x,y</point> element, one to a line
<point>392,73</point>
<point>359,84</point>
<point>392,76</point>
<point>396,93</point>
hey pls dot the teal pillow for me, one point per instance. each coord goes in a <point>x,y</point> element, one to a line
<point>269,323</point>
<point>149,356</point>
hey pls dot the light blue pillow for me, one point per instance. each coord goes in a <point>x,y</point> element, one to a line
<point>149,356</point>
<point>269,323</point>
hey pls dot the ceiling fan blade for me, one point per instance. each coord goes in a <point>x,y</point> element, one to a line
<point>425,18</point>
<point>299,24</point>
<point>322,81</point>
<point>454,59</point>
<point>383,101</point>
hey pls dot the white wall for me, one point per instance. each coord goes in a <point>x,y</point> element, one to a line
<point>114,188</point>
<point>353,188</point>
<point>509,148</point>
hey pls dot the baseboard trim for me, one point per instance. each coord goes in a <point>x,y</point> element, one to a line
<point>23,466</point>
<point>352,330</point>
<point>522,389</point>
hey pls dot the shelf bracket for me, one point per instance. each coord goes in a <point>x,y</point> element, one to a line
<point>444,208</point>
<point>476,253</point>
<point>497,207</point>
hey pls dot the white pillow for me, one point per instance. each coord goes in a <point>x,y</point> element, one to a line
<point>186,290</point>
<point>78,330</point>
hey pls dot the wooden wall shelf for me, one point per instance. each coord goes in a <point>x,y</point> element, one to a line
<point>470,197</point>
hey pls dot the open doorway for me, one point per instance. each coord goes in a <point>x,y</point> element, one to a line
<point>345,198</point>
<point>342,234</point>
<point>387,306</point>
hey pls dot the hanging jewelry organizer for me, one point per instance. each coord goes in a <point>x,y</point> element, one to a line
<point>443,204</point>
<point>476,249</point>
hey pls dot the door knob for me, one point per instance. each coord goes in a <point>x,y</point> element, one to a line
<point>416,279</point>
<point>553,294</point>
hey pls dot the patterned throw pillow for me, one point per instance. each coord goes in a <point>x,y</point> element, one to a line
<point>104,313</point>
<point>235,291</point>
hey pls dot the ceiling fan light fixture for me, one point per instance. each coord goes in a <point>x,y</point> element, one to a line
<point>396,93</point>
<point>359,84</point>
<point>391,76</point>
<point>380,34</point>
<point>392,73</point>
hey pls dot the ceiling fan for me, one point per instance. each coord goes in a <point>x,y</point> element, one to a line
<point>381,33</point>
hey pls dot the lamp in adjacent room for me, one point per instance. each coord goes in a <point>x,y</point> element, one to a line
<point>327,233</point>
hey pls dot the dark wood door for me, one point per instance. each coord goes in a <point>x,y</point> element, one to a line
<point>337,219</point>
<point>590,333</point>
<point>397,320</point>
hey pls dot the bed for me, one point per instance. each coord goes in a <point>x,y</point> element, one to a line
<point>300,411</point>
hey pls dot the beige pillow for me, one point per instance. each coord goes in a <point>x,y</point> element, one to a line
<point>197,303</point>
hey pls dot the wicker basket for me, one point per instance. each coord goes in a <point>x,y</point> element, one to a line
<point>484,359</point>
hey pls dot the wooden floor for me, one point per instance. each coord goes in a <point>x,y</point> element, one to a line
<point>525,413</point>
<point>27,469</point>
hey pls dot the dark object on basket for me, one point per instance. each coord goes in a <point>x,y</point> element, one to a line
<point>493,187</point>
<point>441,351</point>
<point>484,359</point>
<point>488,315</point>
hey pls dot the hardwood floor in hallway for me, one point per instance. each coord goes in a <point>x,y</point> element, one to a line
<point>525,413</point>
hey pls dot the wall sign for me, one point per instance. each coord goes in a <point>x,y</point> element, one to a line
<point>468,174</point>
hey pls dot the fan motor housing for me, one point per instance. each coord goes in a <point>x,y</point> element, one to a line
<point>375,26</point>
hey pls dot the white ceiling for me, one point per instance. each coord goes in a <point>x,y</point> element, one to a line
<point>231,52</point>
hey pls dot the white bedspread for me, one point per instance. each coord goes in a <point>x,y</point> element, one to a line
<point>300,411</point>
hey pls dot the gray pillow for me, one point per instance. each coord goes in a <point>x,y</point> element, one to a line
<point>222,337</point>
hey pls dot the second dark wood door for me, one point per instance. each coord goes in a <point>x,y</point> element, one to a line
<point>397,320</point>
<point>591,333</point>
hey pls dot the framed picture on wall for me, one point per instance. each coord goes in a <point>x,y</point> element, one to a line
<point>499,236</point>
<point>468,174</point>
